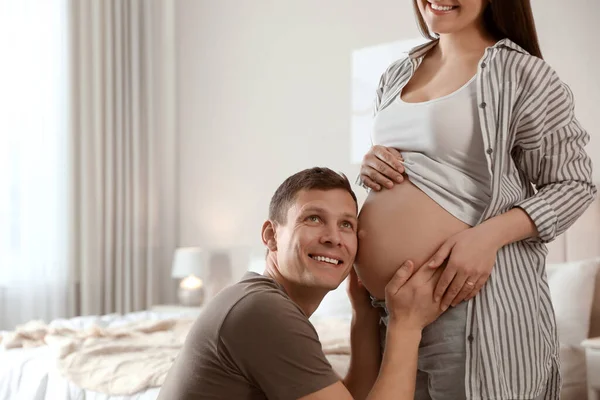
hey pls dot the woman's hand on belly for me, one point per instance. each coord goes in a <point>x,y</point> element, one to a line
<point>381,166</point>
<point>471,255</point>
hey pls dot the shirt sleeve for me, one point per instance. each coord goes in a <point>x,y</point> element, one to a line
<point>550,151</point>
<point>274,345</point>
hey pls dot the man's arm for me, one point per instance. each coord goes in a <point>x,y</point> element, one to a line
<point>365,355</point>
<point>396,381</point>
<point>411,307</point>
<point>398,371</point>
<point>399,366</point>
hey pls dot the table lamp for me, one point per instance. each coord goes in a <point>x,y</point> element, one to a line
<point>189,265</point>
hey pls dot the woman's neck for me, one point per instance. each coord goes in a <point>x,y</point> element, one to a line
<point>470,42</point>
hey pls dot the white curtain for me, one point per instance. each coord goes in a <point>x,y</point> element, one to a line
<point>123,138</point>
<point>33,117</point>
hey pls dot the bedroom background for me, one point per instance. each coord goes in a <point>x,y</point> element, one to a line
<point>155,118</point>
<point>131,128</point>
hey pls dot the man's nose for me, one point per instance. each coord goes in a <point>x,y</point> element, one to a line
<point>331,235</point>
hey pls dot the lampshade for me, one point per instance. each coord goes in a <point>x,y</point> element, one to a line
<point>189,261</point>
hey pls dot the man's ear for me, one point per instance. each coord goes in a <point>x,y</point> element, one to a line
<point>268,235</point>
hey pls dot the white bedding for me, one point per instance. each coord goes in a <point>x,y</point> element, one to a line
<point>32,373</point>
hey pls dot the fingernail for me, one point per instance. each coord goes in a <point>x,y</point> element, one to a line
<point>389,184</point>
<point>444,307</point>
<point>431,263</point>
<point>377,187</point>
<point>436,298</point>
<point>399,178</point>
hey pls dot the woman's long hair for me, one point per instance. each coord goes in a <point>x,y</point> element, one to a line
<point>512,19</point>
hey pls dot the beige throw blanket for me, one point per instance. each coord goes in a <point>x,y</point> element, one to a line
<point>128,359</point>
<point>114,360</point>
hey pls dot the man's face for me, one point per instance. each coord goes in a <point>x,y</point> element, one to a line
<point>317,244</point>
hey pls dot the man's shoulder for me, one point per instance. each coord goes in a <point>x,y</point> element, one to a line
<point>254,289</point>
<point>260,300</point>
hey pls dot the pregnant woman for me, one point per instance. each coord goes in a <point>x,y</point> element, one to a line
<point>477,162</point>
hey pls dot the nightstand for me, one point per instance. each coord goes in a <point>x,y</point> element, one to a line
<point>592,358</point>
<point>176,309</point>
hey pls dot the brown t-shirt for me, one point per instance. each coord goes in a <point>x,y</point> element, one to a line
<point>250,342</point>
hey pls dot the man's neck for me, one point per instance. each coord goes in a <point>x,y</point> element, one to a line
<point>307,298</point>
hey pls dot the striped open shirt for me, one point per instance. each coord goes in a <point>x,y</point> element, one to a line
<point>535,154</point>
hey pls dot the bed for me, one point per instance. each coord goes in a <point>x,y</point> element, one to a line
<point>31,372</point>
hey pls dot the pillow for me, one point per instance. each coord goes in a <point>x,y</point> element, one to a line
<point>573,373</point>
<point>572,286</point>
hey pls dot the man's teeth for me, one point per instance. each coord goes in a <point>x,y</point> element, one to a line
<point>439,7</point>
<point>326,259</point>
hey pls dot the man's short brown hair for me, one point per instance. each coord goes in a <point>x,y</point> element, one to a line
<point>317,178</point>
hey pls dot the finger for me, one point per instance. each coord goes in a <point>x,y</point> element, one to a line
<point>445,281</point>
<point>478,286</point>
<point>423,275</point>
<point>394,162</point>
<point>370,183</point>
<point>465,290</point>
<point>353,277</point>
<point>432,283</point>
<point>391,157</point>
<point>385,169</point>
<point>376,177</point>
<point>400,277</point>
<point>441,255</point>
<point>454,289</point>
<point>396,153</point>
<point>350,287</point>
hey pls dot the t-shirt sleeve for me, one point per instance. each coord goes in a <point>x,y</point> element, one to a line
<point>275,347</point>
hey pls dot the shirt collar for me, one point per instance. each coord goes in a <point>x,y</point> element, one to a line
<point>421,50</point>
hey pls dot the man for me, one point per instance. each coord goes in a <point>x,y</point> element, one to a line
<point>254,340</point>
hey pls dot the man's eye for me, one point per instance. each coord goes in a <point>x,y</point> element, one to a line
<point>314,218</point>
<point>347,225</point>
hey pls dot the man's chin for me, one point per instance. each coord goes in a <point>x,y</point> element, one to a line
<point>328,283</point>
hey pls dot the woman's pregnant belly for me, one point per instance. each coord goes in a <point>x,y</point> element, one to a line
<point>396,225</point>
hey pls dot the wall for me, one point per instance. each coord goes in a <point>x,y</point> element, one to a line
<point>264,90</point>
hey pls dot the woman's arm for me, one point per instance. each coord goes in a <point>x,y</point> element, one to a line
<point>512,226</point>
<point>550,150</point>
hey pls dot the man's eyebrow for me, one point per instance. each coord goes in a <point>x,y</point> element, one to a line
<point>350,216</point>
<point>313,209</point>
